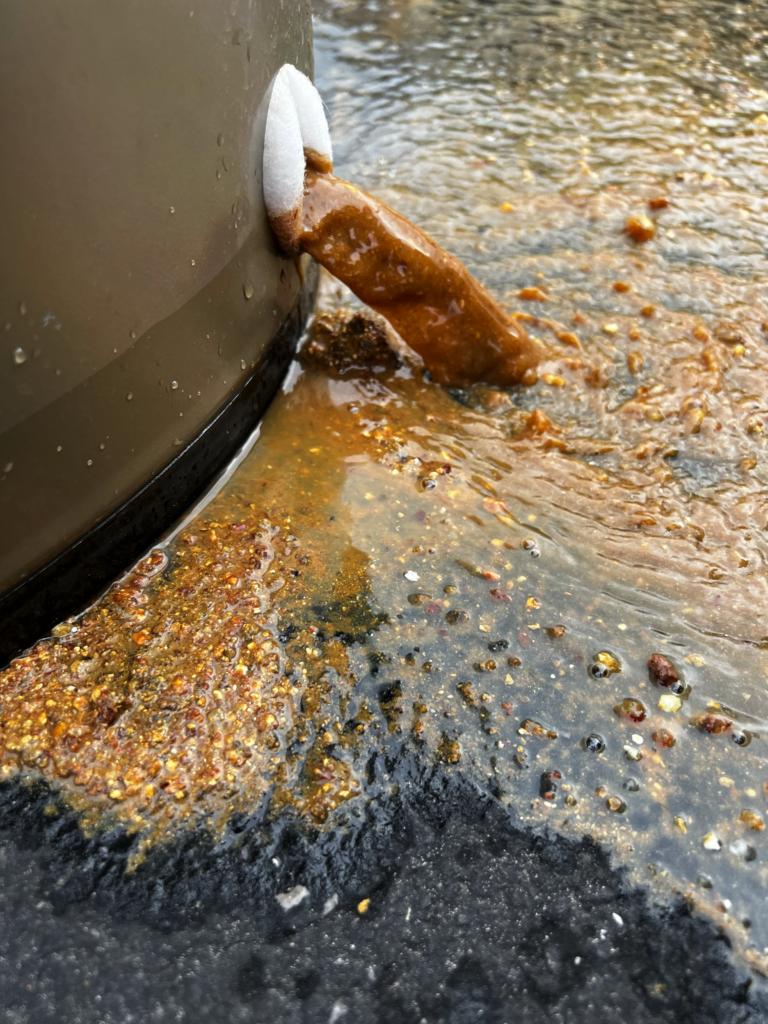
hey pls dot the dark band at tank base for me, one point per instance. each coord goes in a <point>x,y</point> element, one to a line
<point>69,582</point>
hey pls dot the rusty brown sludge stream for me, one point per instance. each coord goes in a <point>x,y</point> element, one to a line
<point>481,576</point>
<point>427,295</point>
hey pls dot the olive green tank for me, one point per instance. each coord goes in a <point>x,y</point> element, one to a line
<point>146,316</point>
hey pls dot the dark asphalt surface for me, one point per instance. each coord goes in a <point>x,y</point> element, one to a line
<point>470,920</point>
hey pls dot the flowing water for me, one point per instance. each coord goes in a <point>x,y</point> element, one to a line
<point>480,577</point>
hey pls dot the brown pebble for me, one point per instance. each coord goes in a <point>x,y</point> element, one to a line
<point>663,738</point>
<point>630,709</point>
<point>508,707</point>
<point>658,203</point>
<point>662,670</point>
<point>621,286</point>
<point>558,631</point>
<point>714,723</point>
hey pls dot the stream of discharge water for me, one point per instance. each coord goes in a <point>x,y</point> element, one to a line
<point>481,576</point>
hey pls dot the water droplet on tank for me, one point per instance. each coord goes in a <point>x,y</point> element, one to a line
<point>23,308</point>
<point>133,334</point>
<point>172,209</point>
<point>192,262</point>
<point>248,290</point>
<point>218,173</point>
<point>8,467</point>
<point>594,744</point>
<point>177,441</point>
<point>174,384</point>
<point>242,364</point>
<point>58,447</point>
<point>19,356</point>
<point>89,462</point>
<point>102,446</point>
<point>129,396</point>
<point>220,139</point>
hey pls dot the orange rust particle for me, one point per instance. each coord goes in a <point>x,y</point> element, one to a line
<point>532,294</point>
<point>658,203</point>
<point>635,363</point>
<point>752,819</point>
<point>568,338</point>
<point>640,228</point>
<point>621,286</point>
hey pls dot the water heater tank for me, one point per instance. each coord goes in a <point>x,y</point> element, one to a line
<point>146,317</point>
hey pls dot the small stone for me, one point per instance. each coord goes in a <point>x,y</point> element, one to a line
<point>753,819</point>
<point>670,703</point>
<point>714,723</point>
<point>293,897</point>
<point>712,841</point>
<point>663,738</point>
<point>662,670</point>
<point>741,848</point>
<point>363,905</point>
<point>411,576</point>
<point>456,615</point>
<point>681,824</point>
<point>630,709</point>
<point>608,661</point>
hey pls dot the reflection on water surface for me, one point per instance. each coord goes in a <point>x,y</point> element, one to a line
<point>481,577</point>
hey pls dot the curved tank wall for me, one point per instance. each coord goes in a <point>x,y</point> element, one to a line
<point>145,314</point>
